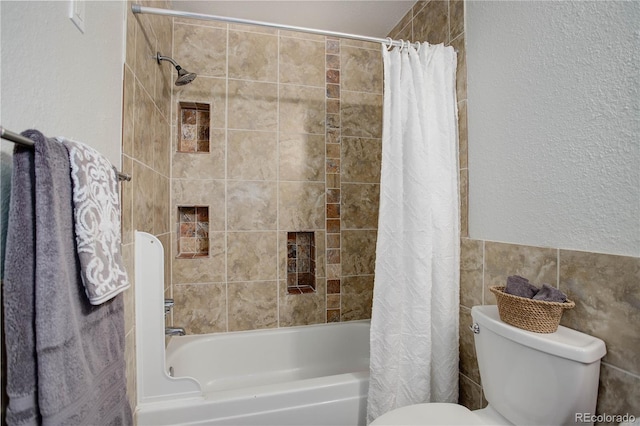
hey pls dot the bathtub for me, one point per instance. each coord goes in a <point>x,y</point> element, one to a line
<point>309,375</point>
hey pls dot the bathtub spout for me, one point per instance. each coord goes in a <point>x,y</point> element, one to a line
<point>174,331</point>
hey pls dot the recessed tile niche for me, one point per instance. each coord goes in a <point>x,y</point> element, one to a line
<point>193,232</point>
<point>193,127</point>
<point>301,262</point>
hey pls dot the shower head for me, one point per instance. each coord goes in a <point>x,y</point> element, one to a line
<point>184,76</point>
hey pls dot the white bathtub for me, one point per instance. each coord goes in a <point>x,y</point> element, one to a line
<point>310,375</point>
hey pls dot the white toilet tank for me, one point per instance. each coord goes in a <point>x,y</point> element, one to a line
<point>536,379</point>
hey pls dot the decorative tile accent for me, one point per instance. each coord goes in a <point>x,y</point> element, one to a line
<point>333,140</point>
<point>301,262</point>
<point>193,134</point>
<point>193,232</point>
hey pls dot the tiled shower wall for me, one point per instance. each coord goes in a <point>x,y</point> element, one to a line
<point>145,152</point>
<point>295,128</point>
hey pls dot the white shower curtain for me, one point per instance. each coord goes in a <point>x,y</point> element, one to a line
<point>414,324</point>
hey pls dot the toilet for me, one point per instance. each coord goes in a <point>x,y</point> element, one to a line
<point>528,378</point>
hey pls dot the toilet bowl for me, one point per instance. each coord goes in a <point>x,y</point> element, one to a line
<point>528,378</point>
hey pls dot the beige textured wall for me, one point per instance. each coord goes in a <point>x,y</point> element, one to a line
<point>295,146</point>
<point>145,148</point>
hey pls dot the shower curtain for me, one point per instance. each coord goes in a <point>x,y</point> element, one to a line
<point>414,324</point>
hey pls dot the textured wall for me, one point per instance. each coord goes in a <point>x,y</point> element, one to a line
<point>554,89</point>
<point>294,146</point>
<point>557,138</point>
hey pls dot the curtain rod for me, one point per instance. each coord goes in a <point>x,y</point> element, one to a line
<point>21,140</point>
<point>136,8</point>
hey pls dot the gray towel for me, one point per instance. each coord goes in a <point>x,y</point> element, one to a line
<point>79,351</point>
<point>550,294</point>
<point>18,295</point>
<point>96,208</point>
<point>519,286</point>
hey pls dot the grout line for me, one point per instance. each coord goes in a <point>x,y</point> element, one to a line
<point>226,173</point>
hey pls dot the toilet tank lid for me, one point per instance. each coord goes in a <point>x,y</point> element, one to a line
<point>565,342</point>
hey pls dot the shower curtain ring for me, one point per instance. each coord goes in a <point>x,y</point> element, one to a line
<point>401,45</point>
<point>418,46</point>
<point>389,43</point>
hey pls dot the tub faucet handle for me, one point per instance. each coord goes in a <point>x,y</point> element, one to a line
<point>168,305</point>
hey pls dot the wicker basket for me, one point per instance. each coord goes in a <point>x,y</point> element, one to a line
<point>529,314</point>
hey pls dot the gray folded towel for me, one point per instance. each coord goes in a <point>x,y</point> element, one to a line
<point>519,286</point>
<point>550,294</point>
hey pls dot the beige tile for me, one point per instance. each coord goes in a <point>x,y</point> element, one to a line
<point>165,80</point>
<point>471,267</point>
<point>253,105</point>
<point>361,159</point>
<point>132,24</point>
<point>302,109</point>
<point>470,393</point>
<point>361,69</point>
<point>200,308</point>
<point>606,290</point>
<point>199,49</point>
<point>253,29</point>
<point>253,56</point>
<point>361,114</point>
<point>200,22</point>
<point>358,252</point>
<point>619,392</point>
<point>161,144</point>
<point>143,134</point>
<point>539,265</point>
<point>456,18</point>
<point>146,46</point>
<point>301,206</point>
<point>143,205</point>
<point>126,202</point>
<point>302,309</point>
<point>201,269</point>
<point>468,358</point>
<point>302,35</point>
<point>252,155</point>
<point>130,365</point>
<point>200,192</point>
<point>464,202</point>
<point>165,240</point>
<point>128,109</point>
<point>302,62</point>
<point>461,70</point>
<point>202,165</point>
<point>301,157</point>
<point>253,305</point>
<point>356,297</point>
<point>161,203</point>
<point>251,256</point>
<point>207,90</point>
<point>359,205</point>
<point>129,295</point>
<point>432,23</point>
<point>251,205</point>
<point>463,134</point>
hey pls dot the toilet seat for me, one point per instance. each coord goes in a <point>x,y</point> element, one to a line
<point>434,413</point>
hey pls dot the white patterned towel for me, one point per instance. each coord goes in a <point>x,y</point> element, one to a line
<point>96,210</point>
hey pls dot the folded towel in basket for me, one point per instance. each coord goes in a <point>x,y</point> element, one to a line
<point>96,210</point>
<point>550,294</point>
<point>519,286</point>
